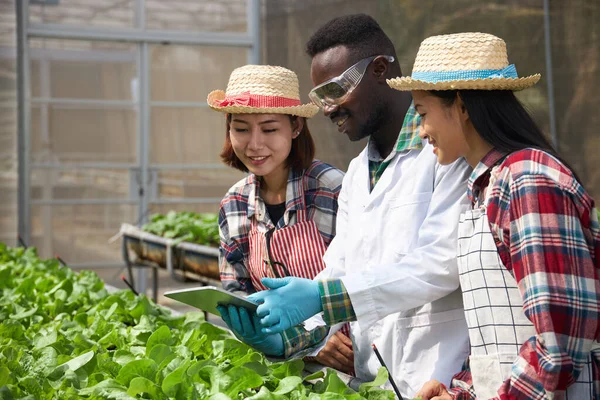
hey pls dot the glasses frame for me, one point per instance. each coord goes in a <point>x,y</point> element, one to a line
<point>348,81</point>
<point>270,262</point>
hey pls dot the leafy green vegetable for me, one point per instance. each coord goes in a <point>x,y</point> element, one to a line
<point>186,226</point>
<point>63,336</point>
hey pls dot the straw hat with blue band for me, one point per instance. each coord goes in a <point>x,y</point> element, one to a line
<point>463,61</point>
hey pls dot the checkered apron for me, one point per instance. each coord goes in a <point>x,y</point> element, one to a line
<point>493,305</point>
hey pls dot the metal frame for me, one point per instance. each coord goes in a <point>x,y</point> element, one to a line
<point>94,265</point>
<point>141,271</point>
<point>165,167</point>
<point>114,56</point>
<point>254,11</point>
<point>143,141</point>
<point>83,202</point>
<point>136,35</point>
<point>549,77</point>
<point>94,165</point>
<point>23,115</point>
<point>177,104</point>
<point>142,38</point>
<point>83,104</point>
<point>188,200</point>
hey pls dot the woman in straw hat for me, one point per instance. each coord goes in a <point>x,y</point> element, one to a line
<point>529,250</point>
<point>279,220</point>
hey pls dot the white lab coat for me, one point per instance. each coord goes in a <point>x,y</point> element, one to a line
<point>395,252</point>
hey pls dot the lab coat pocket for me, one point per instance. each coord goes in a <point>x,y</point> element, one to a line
<point>434,347</point>
<point>406,214</point>
<point>410,199</point>
<point>426,319</point>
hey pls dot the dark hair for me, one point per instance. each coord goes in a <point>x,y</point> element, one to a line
<point>300,158</point>
<point>360,33</point>
<point>501,120</point>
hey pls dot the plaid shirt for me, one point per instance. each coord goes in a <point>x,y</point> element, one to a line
<point>547,233</point>
<point>298,342</point>
<point>337,306</point>
<point>408,139</point>
<point>321,189</point>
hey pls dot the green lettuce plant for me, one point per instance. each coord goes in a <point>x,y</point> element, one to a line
<point>64,336</point>
<point>185,226</point>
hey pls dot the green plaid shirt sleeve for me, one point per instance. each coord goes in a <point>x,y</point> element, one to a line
<point>298,341</point>
<point>337,306</point>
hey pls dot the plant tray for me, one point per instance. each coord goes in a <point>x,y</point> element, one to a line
<point>168,253</point>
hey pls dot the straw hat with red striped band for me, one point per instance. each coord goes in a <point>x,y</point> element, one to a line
<point>267,89</point>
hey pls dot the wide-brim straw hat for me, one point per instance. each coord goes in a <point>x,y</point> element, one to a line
<point>267,89</point>
<point>463,61</point>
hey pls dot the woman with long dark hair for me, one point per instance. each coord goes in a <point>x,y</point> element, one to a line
<point>529,249</point>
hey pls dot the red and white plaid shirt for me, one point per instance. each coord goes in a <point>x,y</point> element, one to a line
<point>546,230</point>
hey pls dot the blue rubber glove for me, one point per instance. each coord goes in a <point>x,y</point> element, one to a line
<point>289,302</point>
<point>248,329</point>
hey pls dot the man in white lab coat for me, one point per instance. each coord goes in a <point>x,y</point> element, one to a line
<point>391,269</point>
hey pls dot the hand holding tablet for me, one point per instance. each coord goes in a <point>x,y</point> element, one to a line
<point>207,298</point>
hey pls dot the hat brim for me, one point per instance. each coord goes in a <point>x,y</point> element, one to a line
<point>406,83</point>
<point>304,110</point>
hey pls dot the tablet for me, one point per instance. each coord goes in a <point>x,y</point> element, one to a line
<point>207,298</point>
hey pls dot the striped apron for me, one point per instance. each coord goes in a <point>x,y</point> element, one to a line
<point>295,250</point>
<point>493,306</point>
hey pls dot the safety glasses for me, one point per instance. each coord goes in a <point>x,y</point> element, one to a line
<point>336,90</point>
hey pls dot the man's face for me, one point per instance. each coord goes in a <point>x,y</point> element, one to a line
<point>361,113</point>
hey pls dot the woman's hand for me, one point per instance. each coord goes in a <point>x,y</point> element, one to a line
<point>433,390</point>
<point>247,328</point>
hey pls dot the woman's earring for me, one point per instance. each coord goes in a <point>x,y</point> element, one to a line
<point>296,134</point>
